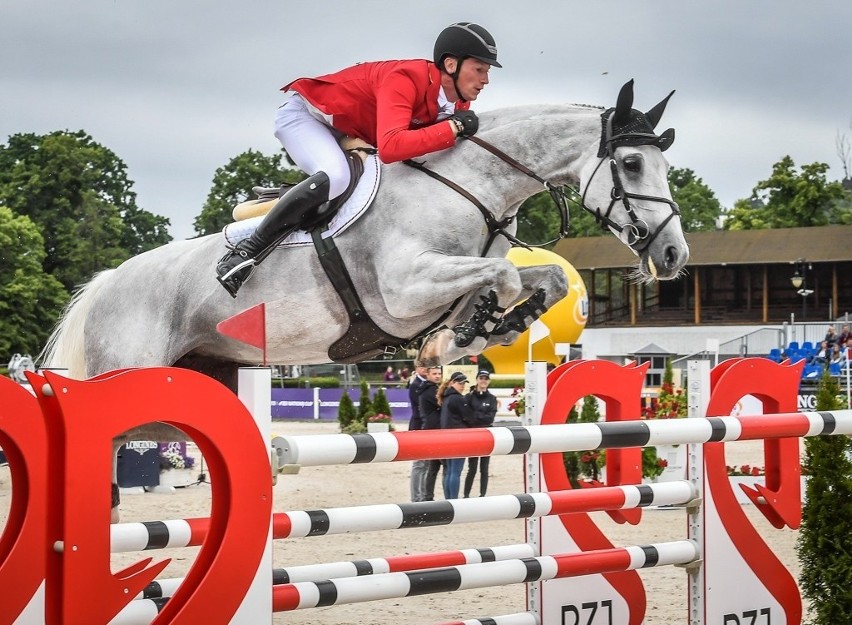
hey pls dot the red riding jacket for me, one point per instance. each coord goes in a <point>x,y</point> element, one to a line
<point>392,105</point>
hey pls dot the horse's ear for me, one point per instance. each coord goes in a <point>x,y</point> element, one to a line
<point>656,113</point>
<point>624,103</point>
<point>665,140</point>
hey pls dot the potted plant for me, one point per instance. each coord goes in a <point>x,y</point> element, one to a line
<point>379,423</point>
<point>175,467</point>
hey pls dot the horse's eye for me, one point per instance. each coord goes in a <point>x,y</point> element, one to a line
<point>633,163</point>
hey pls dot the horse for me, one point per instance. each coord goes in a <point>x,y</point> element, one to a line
<point>427,258</point>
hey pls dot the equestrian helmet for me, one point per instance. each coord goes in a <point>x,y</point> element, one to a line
<point>466,39</point>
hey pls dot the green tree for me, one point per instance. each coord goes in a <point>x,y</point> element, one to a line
<point>827,519</point>
<point>698,204</point>
<point>232,184</point>
<point>346,413</point>
<point>381,405</point>
<point>78,194</point>
<point>365,404</point>
<point>30,300</point>
<point>790,199</point>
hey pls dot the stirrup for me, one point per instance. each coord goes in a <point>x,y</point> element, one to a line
<point>475,326</point>
<point>232,280</point>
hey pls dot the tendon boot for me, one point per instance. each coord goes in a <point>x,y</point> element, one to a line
<point>291,212</point>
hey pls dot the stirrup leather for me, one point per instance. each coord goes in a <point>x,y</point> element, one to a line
<point>475,326</point>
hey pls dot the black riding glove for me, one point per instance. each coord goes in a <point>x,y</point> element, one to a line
<point>469,123</point>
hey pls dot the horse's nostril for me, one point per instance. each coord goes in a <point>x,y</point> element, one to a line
<point>671,257</point>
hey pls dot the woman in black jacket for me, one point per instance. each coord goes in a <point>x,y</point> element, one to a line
<point>483,404</point>
<point>455,414</point>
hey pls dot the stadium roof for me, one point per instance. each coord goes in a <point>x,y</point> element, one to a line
<point>723,247</point>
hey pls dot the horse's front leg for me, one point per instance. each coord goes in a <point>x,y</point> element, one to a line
<point>541,287</point>
<point>434,281</point>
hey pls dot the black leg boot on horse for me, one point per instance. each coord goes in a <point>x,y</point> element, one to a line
<point>289,214</point>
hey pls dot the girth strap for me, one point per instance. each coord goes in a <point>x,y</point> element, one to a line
<point>364,339</point>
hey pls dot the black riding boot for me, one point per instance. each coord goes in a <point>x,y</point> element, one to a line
<point>287,215</point>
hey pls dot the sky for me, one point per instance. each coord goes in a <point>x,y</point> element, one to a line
<point>177,88</point>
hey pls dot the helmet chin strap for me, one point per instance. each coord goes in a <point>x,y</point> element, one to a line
<point>455,76</point>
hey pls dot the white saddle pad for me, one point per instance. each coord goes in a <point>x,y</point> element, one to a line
<point>352,209</point>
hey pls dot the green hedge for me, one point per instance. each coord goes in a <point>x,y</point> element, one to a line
<point>507,383</point>
<point>327,382</point>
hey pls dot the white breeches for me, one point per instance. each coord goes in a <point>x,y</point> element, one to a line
<point>311,142</point>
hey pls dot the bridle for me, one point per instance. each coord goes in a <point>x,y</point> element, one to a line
<point>636,234</point>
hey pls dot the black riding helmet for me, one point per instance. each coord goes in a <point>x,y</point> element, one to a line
<point>466,39</point>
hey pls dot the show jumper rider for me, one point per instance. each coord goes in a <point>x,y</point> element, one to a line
<point>404,108</point>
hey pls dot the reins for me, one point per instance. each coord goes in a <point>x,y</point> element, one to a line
<point>632,234</point>
<point>495,227</point>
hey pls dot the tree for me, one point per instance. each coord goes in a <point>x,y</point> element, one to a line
<point>232,184</point>
<point>827,519</point>
<point>346,410</point>
<point>791,199</point>
<point>365,405</point>
<point>698,204</point>
<point>381,405</point>
<point>30,299</point>
<point>844,152</point>
<point>79,196</point>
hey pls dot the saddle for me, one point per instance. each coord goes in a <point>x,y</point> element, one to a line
<point>356,151</point>
<point>363,339</point>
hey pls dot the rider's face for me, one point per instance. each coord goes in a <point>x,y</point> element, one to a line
<point>472,78</point>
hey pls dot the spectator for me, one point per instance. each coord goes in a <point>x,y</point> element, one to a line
<point>484,406</point>
<point>844,337</point>
<point>430,414</point>
<point>836,355</point>
<point>830,336</point>
<point>418,467</point>
<point>845,354</point>
<point>390,375</point>
<point>455,414</point>
<point>404,375</point>
<point>823,355</point>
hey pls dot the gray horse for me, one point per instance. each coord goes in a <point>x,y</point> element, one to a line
<point>423,254</point>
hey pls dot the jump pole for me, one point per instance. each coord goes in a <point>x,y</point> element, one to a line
<point>147,535</point>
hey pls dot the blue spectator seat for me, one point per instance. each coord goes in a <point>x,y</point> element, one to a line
<point>834,368</point>
<point>795,356</point>
<point>793,346</point>
<point>774,355</point>
<point>812,372</point>
<point>807,346</point>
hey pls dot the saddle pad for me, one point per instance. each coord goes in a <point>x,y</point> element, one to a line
<point>352,209</point>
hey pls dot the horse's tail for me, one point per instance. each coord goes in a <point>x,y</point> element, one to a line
<point>65,347</point>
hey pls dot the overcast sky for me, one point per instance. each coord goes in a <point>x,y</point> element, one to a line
<point>177,88</point>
